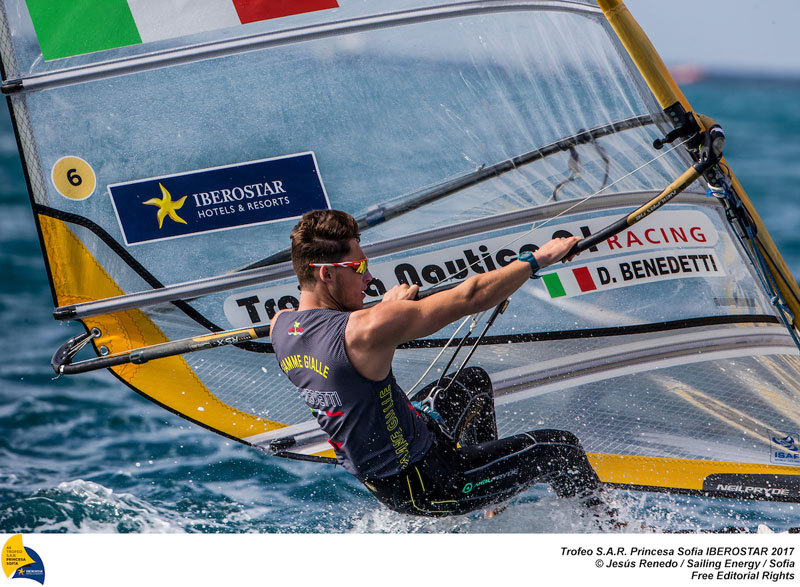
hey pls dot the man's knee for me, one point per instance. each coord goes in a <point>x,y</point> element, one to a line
<point>476,380</point>
<point>552,436</point>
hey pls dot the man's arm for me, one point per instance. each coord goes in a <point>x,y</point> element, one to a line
<point>373,334</point>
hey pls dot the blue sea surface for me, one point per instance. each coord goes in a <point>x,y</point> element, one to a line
<point>87,454</point>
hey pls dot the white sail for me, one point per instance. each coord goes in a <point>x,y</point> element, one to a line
<point>167,172</point>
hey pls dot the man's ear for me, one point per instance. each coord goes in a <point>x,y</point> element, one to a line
<point>324,274</point>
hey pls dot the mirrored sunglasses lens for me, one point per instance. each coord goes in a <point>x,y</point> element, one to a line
<point>362,267</point>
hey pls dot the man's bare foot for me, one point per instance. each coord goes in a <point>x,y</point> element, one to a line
<point>491,513</point>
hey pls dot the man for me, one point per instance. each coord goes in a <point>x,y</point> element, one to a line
<point>339,355</point>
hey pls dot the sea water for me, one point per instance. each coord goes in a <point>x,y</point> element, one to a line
<point>87,454</point>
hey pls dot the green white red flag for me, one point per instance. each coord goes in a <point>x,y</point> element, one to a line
<point>74,27</point>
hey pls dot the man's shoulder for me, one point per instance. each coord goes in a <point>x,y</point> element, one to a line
<point>275,319</point>
<point>370,339</point>
<point>375,324</point>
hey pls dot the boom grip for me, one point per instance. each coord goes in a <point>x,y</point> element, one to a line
<point>598,237</point>
<point>435,289</point>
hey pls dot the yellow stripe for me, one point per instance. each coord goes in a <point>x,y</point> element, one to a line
<point>79,277</point>
<point>414,503</point>
<point>777,266</point>
<point>677,186</point>
<point>673,473</point>
<point>420,479</point>
<point>226,334</point>
<point>330,453</point>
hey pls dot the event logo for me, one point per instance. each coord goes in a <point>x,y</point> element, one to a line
<point>20,562</point>
<point>220,198</point>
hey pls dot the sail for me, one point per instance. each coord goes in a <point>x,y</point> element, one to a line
<point>167,168</point>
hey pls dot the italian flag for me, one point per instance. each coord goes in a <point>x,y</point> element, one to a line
<point>569,282</point>
<point>74,27</point>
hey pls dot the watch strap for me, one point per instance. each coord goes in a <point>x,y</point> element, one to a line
<point>528,257</point>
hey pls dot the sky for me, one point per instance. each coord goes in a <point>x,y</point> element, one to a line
<point>741,35</point>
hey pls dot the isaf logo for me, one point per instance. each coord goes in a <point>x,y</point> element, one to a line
<point>784,448</point>
<point>788,442</point>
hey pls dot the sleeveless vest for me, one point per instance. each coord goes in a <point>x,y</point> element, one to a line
<point>371,425</point>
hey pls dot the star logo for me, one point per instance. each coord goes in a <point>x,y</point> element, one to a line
<point>166,207</point>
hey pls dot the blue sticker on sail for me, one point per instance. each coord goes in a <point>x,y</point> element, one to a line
<point>218,199</point>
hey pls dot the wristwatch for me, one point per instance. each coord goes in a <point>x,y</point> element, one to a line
<point>528,256</point>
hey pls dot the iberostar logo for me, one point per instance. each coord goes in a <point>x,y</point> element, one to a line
<point>20,562</point>
<point>296,330</point>
<point>166,207</point>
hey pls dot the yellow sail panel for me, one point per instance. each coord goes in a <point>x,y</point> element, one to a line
<point>674,473</point>
<point>171,382</point>
<point>330,454</point>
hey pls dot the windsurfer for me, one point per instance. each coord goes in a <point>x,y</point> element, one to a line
<point>398,452</point>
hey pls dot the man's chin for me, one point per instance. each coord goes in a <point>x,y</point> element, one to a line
<point>360,302</point>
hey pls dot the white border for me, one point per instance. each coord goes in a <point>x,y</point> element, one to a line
<point>100,560</point>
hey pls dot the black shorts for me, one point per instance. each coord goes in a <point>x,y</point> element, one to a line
<point>459,476</point>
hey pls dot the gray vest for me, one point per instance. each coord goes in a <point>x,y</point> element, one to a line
<point>371,425</point>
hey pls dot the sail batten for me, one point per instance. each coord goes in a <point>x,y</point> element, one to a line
<point>627,359</point>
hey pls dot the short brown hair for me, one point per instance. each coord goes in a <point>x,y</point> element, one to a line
<point>321,236</point>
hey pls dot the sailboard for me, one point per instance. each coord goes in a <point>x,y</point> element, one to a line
<point>170,147</point>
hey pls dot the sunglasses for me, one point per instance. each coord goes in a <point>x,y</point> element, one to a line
<point>359,266</point>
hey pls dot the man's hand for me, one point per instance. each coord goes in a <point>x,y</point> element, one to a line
<point>555,250</point>
<point>401,292</point>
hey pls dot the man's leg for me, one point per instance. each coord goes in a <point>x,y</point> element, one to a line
<point>541,456</point>
<point>479,423</point>
<point>457,481</point>
<point>460,480</point>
